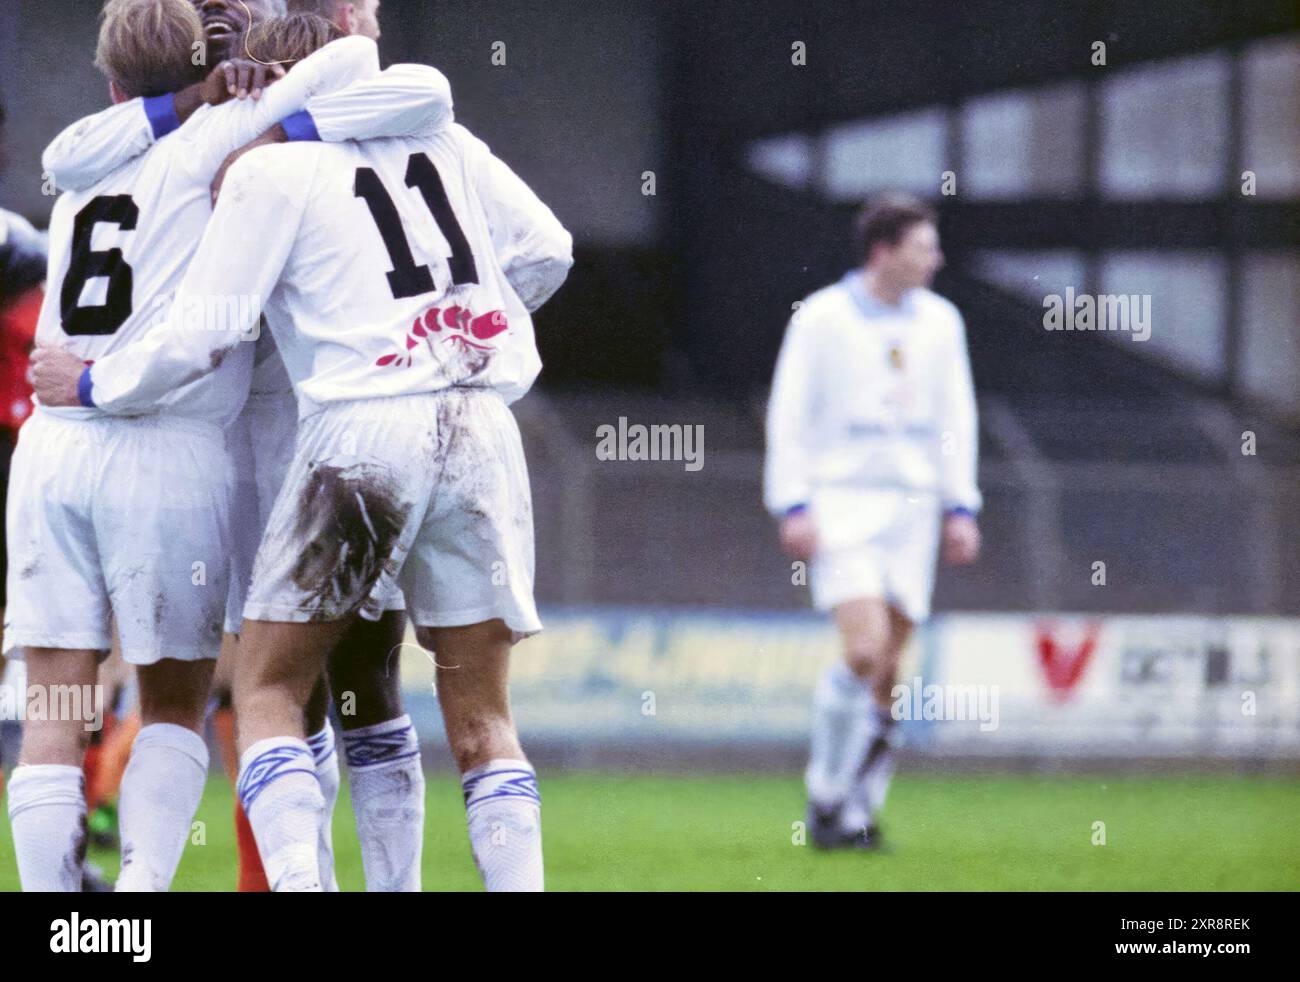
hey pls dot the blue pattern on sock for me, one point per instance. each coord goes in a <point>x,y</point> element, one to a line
<point>271,764</point>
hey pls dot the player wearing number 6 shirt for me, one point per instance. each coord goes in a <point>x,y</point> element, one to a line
<point>400,275</point>
<point>126,518</point>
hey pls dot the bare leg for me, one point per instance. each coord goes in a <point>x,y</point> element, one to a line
<point>47,802</point>
<point>900,632</point>
<point>175,692</point>
<point>501,798</point>
<point>364,674</point>
<point>252,878</point>
<point>850,717</point>
<point>864,627</point>
<point>473,675</point>
<point>279,664</point>
<point>385,773</point>
<point>320,739</point>
<point>875,634</point>
<point>57,737</point>
<point>165,775</point>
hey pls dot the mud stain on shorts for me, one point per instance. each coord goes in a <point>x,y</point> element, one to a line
<point>214,617</point>
<point>466,475</point>
<point>349,522</point>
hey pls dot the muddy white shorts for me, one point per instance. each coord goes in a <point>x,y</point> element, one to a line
<point>261,444</point>
<point>875,544</point>
<point>120,520</point>
<point>426,491</point>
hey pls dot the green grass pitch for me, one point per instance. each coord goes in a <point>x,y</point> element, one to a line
<point>708,832</point>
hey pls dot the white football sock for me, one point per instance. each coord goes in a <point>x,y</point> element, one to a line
<point>282,799</point>
<point>505,825</point>
<point>327,771</point>
<point>161,788</point>
<point>843,726</point>
<point>868,795</point>
<point>47,813</point>
<point>881,769</point>
<point>386,780</point>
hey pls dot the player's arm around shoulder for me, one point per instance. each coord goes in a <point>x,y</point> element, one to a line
<point>288,163</point>
<point>403,100</point>
<point>269,174</point>
<point>90,149</point>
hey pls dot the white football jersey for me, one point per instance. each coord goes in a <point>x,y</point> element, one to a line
<point>872,396</point>
<point>120,246</point>
<point>391,267</point>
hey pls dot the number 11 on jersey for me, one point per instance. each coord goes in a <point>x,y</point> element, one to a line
<point>407,279</point>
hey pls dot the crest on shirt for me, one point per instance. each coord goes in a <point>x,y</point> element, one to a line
<point>896,357</point>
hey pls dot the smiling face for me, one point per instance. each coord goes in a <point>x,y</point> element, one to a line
<point>226,23</point>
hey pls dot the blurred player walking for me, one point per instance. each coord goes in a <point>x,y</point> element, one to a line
<point>872,447</point>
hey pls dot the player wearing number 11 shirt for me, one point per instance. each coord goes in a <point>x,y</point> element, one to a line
<point>398,277</point>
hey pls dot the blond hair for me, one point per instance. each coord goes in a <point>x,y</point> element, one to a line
<point>147,46</point>
<point>291,38</point>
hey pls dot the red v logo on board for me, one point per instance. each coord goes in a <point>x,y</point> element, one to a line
<point>1063,665</point>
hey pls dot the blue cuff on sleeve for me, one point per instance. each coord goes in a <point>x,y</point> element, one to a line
<point>161,111</point>
<point>300,126</point>
<point>795,509</point>
<point>84,385</point>
<point>960,511</point>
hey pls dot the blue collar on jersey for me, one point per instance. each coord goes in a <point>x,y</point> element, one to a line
<point>871,306</point>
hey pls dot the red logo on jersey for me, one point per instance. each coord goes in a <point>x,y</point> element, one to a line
<point>460,325</point>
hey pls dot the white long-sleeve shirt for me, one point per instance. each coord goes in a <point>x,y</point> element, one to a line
<point>378,266</point>
<point>120,246</point>
<point>874,397</point>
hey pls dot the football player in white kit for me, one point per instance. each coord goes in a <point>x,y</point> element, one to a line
<point>386,778</point>
<point>128,518</point>
<point>399,275</point>
<point>872,446</point>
